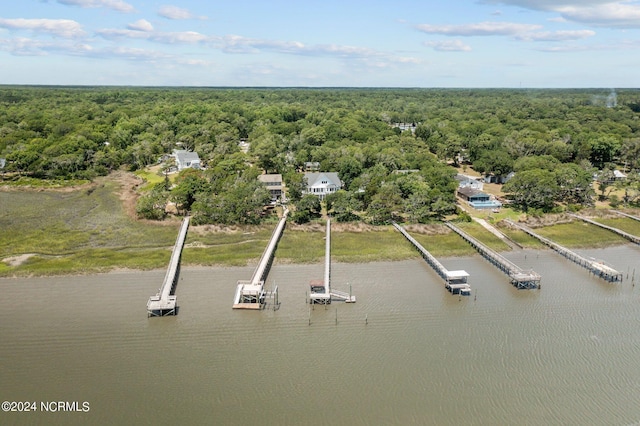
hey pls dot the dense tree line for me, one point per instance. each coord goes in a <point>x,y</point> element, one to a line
<point>555,141</point>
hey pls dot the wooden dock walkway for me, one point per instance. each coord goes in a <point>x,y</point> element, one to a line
<point>520,278</point>
<point>454,281</point>
<point>321,292</point>
<point>164,302</point>
<point>620,232</point>
<point>595,267</point>
<point>627,215</point>
<point>251,294</point>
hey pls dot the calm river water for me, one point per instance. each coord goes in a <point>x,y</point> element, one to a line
<point>568,353</point>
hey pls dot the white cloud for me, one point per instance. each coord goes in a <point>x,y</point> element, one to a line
<point>58,27</point>
<point>556,35</point>
<point>117,5</point>
<point>479,29</point>
<point>177,13</point>
<point>21,46</point>
<point>448,46</point>
<point>615,14</point>
<point>141,25</point>
<point>185,37</point>
<point>112,34</point>
<point>605,13</point>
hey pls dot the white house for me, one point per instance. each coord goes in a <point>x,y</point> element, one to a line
<point>322,183</point>
<point>186,159</point>
<point>465,181</point>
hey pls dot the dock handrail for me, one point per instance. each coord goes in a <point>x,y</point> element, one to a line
<point>258,274</point>
<point>327,260</point>
<point>519,277</point>
<point>630,237</point>
<point>435,264</point>
<point>597,268</point>
<point>163,300</point>
<point>251,294</point>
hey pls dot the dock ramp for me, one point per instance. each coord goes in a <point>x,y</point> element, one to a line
<point>520,278</point>
<point>164,302</point>
<point>251,294</point>
<point>454,281</point>
<point>596,267</point>
<point>320,290</point>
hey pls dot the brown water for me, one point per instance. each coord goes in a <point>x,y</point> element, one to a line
<point>566,354</point>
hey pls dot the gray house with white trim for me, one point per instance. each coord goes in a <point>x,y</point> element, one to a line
<point>186,159</point>
<point>322,183</point>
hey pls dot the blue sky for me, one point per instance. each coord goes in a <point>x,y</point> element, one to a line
<point>354,43</point>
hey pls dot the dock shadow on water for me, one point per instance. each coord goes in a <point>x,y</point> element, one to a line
<point>408,352</point>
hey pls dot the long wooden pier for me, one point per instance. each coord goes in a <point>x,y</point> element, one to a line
<point>251,294</point>
<point>454,281</point>
<point>320,291</point>
<point>164,302</point>
<point>520,278</point>
<point>620,232</point>
<point>598,268</point>
<point>627,215</point>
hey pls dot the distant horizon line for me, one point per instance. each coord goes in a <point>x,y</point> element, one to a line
<point>4,85</point>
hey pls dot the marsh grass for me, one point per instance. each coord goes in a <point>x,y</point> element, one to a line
<point>25,181</point>
<point>88,231</point>
<point>625,224</point>
<point>478,232</point>
<point>446,245</point>
<point>383,244</point>
<point>580,235</point>
<point>521,238</point>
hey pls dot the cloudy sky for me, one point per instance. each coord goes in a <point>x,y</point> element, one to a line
<point>371,43</point>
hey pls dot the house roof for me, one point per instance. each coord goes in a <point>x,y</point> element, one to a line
<point>184,156</point>
<point>470,192</point>
<point>273,178</point>
<point>461,178</point>
<point>315,178</point>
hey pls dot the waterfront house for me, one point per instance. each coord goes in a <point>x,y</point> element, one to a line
<point>478,199</point>
<point>322,183</point>
<point>186,159</point>
<point>273,182</point>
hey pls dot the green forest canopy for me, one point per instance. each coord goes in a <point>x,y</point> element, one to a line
<point>83,132</point>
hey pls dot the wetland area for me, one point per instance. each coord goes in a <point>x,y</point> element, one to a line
<point>407,352</point>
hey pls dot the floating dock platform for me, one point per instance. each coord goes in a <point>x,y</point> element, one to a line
<point>454,281</point>
<point>251,294</point>
<point>594,266</point>
<point>165,302</point>
<point>620,232</point>
<point>520,278</point>
<point>320,290</point>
